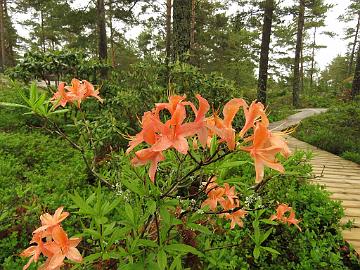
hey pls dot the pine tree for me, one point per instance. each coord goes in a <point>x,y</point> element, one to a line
<point>269,6</point>
<point>181,29</point>
<point>299,42</point>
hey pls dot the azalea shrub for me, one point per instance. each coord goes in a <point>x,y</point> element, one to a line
<point>191,190</point>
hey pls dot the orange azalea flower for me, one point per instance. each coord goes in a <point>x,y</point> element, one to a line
<point>223,128</point>
<point>230,193</point>
<point>145,156</point>
<point>280,215</point>
<point>52,241</point>
<point>215,195</point>
<point>236,218</point>
<point>148,132</point>
<point>63,247</point>
<point>200,120</point>
<point>280,211</point>
<point>91,92</point>
<point>60,98</point>
<point>277,140</point>
<point>173,133</point>
<point>252,113</point>
<point>263,152</point>
<point>35,251</point>
<point>77,91</point>
<point>48,221</point>
<point>171,106</point>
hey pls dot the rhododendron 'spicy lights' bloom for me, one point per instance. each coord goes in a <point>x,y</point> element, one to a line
<point>175,132</point>
<point>52,241</point>
<point>77,91</point>
<point>281,210</point>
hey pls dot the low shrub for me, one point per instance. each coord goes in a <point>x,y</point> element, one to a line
<point>336,131</point>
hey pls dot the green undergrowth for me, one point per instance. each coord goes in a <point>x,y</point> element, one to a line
<point>336,131</point>
<point>37,174</point>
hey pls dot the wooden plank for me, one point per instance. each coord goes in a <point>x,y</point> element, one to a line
<point>343,190</point>
<point>350,197</point>
<point>353,234</point>
<point>337,185</point>
<point>351,204</point>
<point>352,212</point>
<point>341,181</point>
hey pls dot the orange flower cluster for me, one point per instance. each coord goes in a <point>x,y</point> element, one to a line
<point>228,200</point>
<point>57,245</point>
<point>280,212</point>
<point>78,91</point>
<point>175,131</point>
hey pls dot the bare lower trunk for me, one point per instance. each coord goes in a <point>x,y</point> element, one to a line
<point>264,53</point>
<point>112,47</point>
<point>168,32</point>
<point>192,27</point>
<point>42,31</point>
<point>352,55</point>
<point>102,35</point>
<point>299,39</point>
<point>2,35</point>
<point>181,29</point>
<point>356,82</point>
<point>312,71</point>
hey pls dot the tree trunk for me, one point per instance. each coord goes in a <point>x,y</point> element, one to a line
<point>2,36</point>
<point>356,82</point>
<point>42,42</point>
<point>192,28</point>
<point>299,39</point>
<point>112,47</point>
<point>313,59</point>
<point>181,29</point>
<point>102,35</point>
<point>264,53</point>
<point>352,55</point>
<point>301,87</point>
<point>168,32</point>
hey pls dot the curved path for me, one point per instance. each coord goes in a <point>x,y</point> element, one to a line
<point>341,177</point>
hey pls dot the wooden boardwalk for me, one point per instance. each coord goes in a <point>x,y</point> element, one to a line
<point>342,178</point>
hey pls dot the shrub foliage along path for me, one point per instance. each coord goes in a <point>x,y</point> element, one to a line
<point>341,177</point>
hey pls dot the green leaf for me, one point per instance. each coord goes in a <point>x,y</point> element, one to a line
<point>268,221</point>
<point>176,248</point>
<point>256,252</point>
<point>130,214</point>
<point>109,208</point>
<point>91,258</point>
<point>84,208</point>
<point>213,145</point>
<point>176,264</point>
<point>15,105</point>
<point>162,259</point>
<point>233,164</point>
<point>199,228</point>
<point>266,235</point>
<point>271,250</point>
<point>151,207</point>
<point>146,243</point>
<point>93,233</point>
<point>60,111</point>
<point>134,186</point>
<point>165,215</point>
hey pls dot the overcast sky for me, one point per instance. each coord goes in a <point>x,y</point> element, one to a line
<point>335,45</point>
